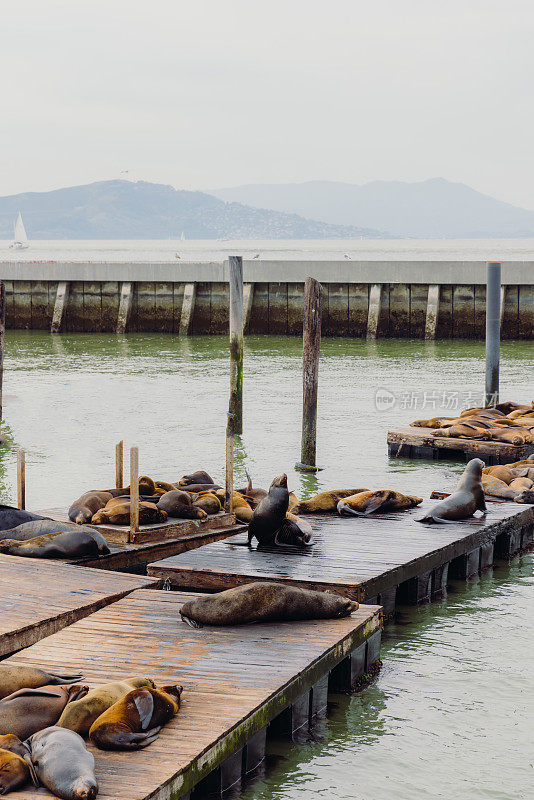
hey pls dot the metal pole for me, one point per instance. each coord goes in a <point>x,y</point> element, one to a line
<point>311,346</point>
<point>493,332</point>
<point>235,411</point>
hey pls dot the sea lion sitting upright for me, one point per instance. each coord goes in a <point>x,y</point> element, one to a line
<point>80,714</point>
<point>196,477</point>
<point>63,763</point>
<point>17,677</point>
<point>269,523</point>
<point>467,498</point>
<point>15,771</point>
<point>324,502</point>
<point>136,720</point>
<point>178,504</point>
<point>264,601</point>
<point>365,503</point>
<point>27,711</point>
<point>61,544</point>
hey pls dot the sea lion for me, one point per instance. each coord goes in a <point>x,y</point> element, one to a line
<point>365,503</point>
<point>196,477</point>
<point>512,409</point>
<point>27,711</point>
<point>62,544</point>
<point>196,488</point>
<point>521,484</point>
<point>16,676</point>
<point>463,430</point>
<point>167,487</point>
<point>136,720</point>
<point>241,507</point>
<point>40,527</point>
<point>304,526</point>
<point>467,497</point>
<point>8,741</point>
<point>434,422</point>
<point>526,496</point>
<point>15,771</point>
<point>250,492</point>
<point>63,763</point>
<point>82,510</point>
<point>269,523</point>
<point>10,517</point>
<point>118,513</point>
<point>80,714</point>
<point>264,601</point>
<point>324,502</point>
<point>208,502</point>
<point>514,436</point>
<point>178,504</point>
<point>493,487</point>
<point>500,471</point>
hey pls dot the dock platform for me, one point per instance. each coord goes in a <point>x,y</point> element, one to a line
<point>40,597</point>
<point>381,559</point>
<point>240,684</point>
<point>418,443</point>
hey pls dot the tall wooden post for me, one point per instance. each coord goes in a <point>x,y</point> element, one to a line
<point>311,346</point>
<point>493,333</point>
<point>119,465</point>
<point>2,337</point>
<point>21,479</point>
<point>235,411</point>
<point>229,505</point>
<point>134,490</point>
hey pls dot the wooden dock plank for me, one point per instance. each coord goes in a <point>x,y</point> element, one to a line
<point>359,557</point>
<point>40,597</point>
<point>236,680</point>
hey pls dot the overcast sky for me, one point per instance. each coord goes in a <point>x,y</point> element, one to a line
<point>213,93</point>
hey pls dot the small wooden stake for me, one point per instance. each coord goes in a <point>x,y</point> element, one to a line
<point>21,479</point>
<point>229,505</point>
<point>119,462</point>
<point>134,491</point>
<point>311,346</point>
<point>235,411</point>
<point>2,337</point>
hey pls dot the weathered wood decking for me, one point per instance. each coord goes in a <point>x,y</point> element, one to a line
<point>39,597</point>
<point>236,681</point>
<point>363,558</point>
<point>418,443</point>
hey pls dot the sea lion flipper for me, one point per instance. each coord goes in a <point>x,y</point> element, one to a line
<point>31,767</point>
<point>191,622</point>
<point>34,693</point>
<point>65,678</point>
<point>374,503</point>
<point>144,702</point>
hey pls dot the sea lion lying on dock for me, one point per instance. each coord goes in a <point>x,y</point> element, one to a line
<point>365,503</point>
<point>269,523</point>
<point>15,770</point>
<point>40,527</point>
<point>195,478</point>
<point>13,678</point>
<point>465,430</point>
<point>117,512</point>
<point>264,601</point>
<point>61,544</point>
<point>179,504</point>
<point>208,502</point>
<point>27,711</point>
<point>82,510</point>
<point>11,517</point>
<point>63,763</point>
<point>324,502</point>
<point>467,497</point>
<point>136,720</point>
<point>80,714</point>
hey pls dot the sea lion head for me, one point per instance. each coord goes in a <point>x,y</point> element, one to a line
<point>82,515</point>
<point>14,771</point>
<point>84,788</point>
<point>280,482</point>
<point>75,692</point>
<point>175,691</point>
<point>475,467</point>
<point>346,607</point>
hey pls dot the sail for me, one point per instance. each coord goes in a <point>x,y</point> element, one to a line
<point>20,230</point>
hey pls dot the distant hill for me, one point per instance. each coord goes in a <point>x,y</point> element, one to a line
<point>434,208</point>
<point>125,210</point>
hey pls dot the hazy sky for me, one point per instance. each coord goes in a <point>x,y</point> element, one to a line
<point>212,93</point>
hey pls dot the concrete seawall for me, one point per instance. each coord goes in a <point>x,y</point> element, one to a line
<point>420,299</point>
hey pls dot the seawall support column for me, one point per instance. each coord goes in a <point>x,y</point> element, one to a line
<point>188,306</point>
<point>432,311</point>
<point>311,347</point>
<point>235,410</point>
<point>493,332</point>
<point>125,305</point>
<point>60,306</point>
<point>375,297</point>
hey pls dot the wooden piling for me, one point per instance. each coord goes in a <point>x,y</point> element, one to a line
<point>493,333</point>
<point>134,490</point>
<point>2,338</point>
<point>235,411</point>
<point>21,479</point>
<point>119,462</point>
<point>229,468</point>
<point>311,346</point>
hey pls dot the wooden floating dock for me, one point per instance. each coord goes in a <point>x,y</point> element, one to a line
<point>418,443</point>
<point>381,559</point>
<point>240,685</point>
<point>39,597</point>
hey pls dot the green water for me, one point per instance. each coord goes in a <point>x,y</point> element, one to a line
<point>450,714</point>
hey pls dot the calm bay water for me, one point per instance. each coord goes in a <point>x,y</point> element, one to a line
<point>450,712</point>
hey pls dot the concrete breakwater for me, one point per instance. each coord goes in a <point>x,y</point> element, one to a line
<point>418,299</point>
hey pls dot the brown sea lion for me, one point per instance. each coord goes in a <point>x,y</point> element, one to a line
<point>27,711</point>
<point>521,484</point>
<point>467,497</point>
<point>80,714</point>
<point>324,502</point>
<point>62,544</point>
<point>264,601</point>
<point>463,430</point>
<point>241,507</point>
<point>196,477</point>
<point>269,523</point>
<point>493,487</point>
<point>514,436</point>
<point>40,527</point>
<point>500,471</point>
<point>251,493</point>
<point>178,504</point>
<point>525,497</point>
<point>8,741</point>
<point>63,764</point>
<point>15,771</point>
<point>434,422</point>
<point>119,514</point>
<point>208,502</point>
<point>167,487</point>
<point>136,720</point>
<point>365,503</point>
<point>82,510</point>
<point>15,676</point>
<point>514,410</point>
<point>196,488</point>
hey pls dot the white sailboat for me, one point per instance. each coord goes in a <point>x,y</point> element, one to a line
<point>20,239</point>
